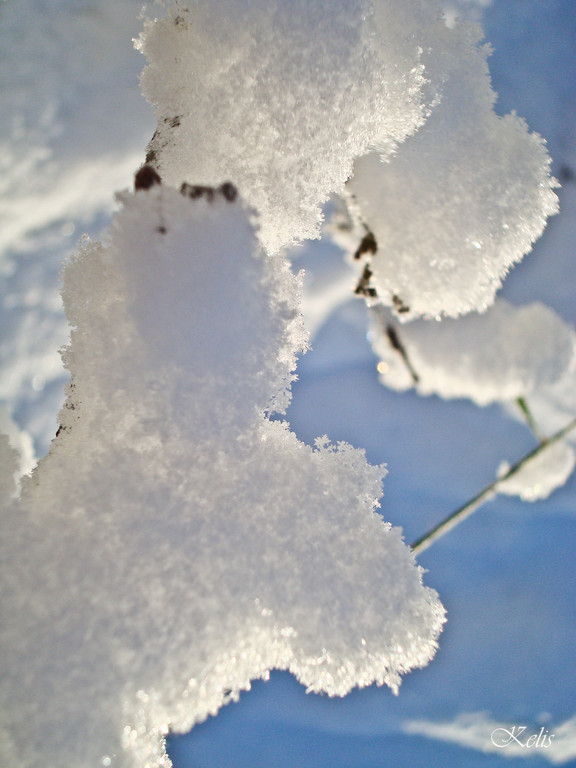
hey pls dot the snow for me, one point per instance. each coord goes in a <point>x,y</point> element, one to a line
<point>555,405</point>
<point>504,354</point>
<point>176,543</point>
<point>551,742</point>
<point>281,97</point>
<point>75,128</point>
<point>20,441</point>
<point>58,162</point>
<point>506,575</point>
<point>9,463</point>
<point>541,475</point>
<point>462,200</point>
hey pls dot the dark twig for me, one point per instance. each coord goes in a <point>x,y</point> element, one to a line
<point>368,244</point>
<point>364,288</point>
<point>396,344</point>
<point>146,177</point>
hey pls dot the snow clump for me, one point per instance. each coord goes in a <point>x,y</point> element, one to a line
<point>498,356</point>
<point>542,475</point>
<point>462,200</point>
<point>176,543</point>
<point>281,97</point>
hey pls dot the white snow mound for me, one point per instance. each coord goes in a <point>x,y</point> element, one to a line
<point>176,543</point>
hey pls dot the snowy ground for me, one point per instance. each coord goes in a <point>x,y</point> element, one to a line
<point>74,129</point>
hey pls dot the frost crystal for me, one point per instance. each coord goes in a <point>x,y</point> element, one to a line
<point>281,97</point>
<point>506,353</point>
<point>176,543</point>
<point>463,199</point>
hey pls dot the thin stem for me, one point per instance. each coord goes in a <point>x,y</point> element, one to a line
<point>396,344</point>
<point>522,403</point>
<point>487,493</point>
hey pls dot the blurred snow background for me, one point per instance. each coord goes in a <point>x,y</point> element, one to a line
<point>74,128</point>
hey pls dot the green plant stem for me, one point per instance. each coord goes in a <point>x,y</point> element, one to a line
<point>487,493</point>
<point>530,421</point>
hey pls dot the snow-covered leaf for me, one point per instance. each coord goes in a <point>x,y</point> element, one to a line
<point>542,475</point>
<point>463,199</point>
<point>498,356</point>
